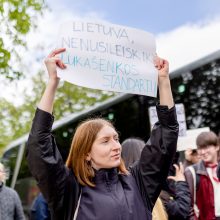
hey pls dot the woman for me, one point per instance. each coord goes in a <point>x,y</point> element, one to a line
<point>131,150</point>
<point>95,184</point>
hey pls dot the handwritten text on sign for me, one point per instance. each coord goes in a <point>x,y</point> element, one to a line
<point>108,57</point>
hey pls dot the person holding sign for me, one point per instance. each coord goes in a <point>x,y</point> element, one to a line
<point>94,183</point>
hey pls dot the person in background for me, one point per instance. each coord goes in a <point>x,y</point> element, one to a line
<point>202,179</point>
<point>176,196</point>
<point>39,209</point>
<point>131,152</point>
<point>10,203</point>
<point>191,157</point>
<point>94,183</point>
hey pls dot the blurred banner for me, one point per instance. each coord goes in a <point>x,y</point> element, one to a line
<point>180,112</point>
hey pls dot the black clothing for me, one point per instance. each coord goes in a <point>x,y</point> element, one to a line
<point>178,204</point>
<point>118,191</point>
<point>136,192</point>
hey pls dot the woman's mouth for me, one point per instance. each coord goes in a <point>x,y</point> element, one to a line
<point>116,156</point>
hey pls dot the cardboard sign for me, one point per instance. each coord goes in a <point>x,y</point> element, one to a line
<point>189,141</point>
<point>108,57</point>
<point>180,112</point>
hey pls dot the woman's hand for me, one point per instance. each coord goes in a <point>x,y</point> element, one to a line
<point>162,66</point>
<point>52,62</point>
<point>166,97</point>
<point>179,173</point>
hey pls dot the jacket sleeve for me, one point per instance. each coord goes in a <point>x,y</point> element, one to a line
<point>152,169</point>
<point>45,161</point>
<point>179,206</point>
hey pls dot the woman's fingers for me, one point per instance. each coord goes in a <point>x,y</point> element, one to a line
<point>176,167</point>
<point>53,57</point>
<point>171,178</point>
<point>159,63</point>
<point>56,51</point>
<point>56,60</point>
<point>60,64</point>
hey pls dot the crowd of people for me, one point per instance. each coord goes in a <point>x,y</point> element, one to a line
<point>103,179</point>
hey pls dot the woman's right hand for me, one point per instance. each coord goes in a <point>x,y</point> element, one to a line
<point>52,62</point>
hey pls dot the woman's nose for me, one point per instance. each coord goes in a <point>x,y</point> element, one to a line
<point>116,145</point>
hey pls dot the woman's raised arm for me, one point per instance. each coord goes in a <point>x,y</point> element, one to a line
<point>165,93</point>
<point>51,62</point>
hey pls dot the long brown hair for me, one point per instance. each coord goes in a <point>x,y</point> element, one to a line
<point>81,146</point>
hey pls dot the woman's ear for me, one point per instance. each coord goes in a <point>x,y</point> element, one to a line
<point>88,157</point>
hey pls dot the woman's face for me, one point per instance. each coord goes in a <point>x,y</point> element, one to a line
<point>106,149</point>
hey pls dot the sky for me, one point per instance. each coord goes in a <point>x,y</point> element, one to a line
<point>185,31</point>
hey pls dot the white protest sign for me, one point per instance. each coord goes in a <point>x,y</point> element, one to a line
<point>180,112</point>
<point>109,57</point>
<point>189,141</point>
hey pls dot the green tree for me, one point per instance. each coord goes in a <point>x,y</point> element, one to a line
<point>15,121</point>
<point>69,98</point>
<point>17,17</point>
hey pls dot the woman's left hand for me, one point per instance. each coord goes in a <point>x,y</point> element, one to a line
<point>162,65</point>
<point>179,173</point>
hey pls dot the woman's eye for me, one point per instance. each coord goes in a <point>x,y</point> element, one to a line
<point>117,139</point>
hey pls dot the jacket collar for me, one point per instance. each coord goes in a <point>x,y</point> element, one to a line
<point>106,175</point>
<point>201,169</point>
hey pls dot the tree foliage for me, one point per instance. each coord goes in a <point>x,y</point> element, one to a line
<point>16,120</point>
<point>17,17</point>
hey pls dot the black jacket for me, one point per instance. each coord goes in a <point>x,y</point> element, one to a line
<point>178,203</point>
<point>135,192</point>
